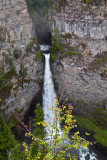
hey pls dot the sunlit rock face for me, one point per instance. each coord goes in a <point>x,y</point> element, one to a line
<point>15,22</point>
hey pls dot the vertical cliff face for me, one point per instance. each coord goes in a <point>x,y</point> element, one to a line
<point>21,72</point>
<point>15,23</point>
<point>86,24</point>
<point>83,31</point>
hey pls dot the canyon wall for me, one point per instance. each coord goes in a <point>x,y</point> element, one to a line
<point>20,70</point>
<point>86,28</point>
<point>87,25</point>
<point>15,23</point>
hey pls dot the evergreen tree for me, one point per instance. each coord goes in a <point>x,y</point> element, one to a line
<point>9,147</point>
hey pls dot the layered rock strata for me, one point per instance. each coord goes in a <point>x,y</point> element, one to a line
<point>15,23</point>
<point>86,27</point>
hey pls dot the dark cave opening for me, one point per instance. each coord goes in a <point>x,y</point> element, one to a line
<point>44,37</point>
<point>43,32</point>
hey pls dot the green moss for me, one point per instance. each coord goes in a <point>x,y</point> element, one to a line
<point>82,102</point>
<point>104,73</point>
<point>100,135</point>
<point>97,113</point>
<point>98,62</point>
<point>53,57</point>
<point>100,116</point>
<point>73,53</point>
<point>38,55</point>
<point>23,73</point>
<point>34,39</point>
<point>66,35</point>
<point>59,4</point>
<point>9,74</point>
<point>5,84</point>
<point>10,61</point>
<point>32,9</point>
<point>71,99</point>
<point>27,103</point>
<point>72,48</point>
<point>85,8</point>
<point>88,1</point>
<point>5,92</point>
<point>56,42</point>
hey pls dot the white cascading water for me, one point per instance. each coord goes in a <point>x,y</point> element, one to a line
<point>85,154</point>
<point>49,96</point>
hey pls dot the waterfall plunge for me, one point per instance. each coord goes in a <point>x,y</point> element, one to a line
<point>49,96</point>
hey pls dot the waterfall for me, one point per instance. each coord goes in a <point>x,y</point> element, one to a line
<point>49,96</point>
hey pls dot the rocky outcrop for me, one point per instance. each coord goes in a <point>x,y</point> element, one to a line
<point>26,81</point>
<point>79,84</point>
<point>15,23</point>
<point>86,24</point>
<point>86,28</point>
<point>21,73</point>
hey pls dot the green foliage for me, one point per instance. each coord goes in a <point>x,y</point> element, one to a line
<point>71,52</point>
<point>9,147</point>
<point>98,114</point>
<point>38,132</point>
<point>98,62</point>
<point>59,4</point>
<point>41,6</point>
<point>94,2</point>
<point>39,129</point>
<point>23,73</point>
<point>100,117</point>
<point>104,73</point>
<point>100,135</point>
<point>85,8</point>
<point>38,54</point>
<point>5,91</point>
<point>60,50</point>
<point>5,84</point>
<point>5,78</point>
<point>32,9</point>
<point>55,42</point>
<point>10,61</point>
<point>54,147</point>
<point>53,57</point>
<point>88,1</point>
<point>38,7</point>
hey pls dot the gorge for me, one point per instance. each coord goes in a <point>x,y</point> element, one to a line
<point>79,65</point>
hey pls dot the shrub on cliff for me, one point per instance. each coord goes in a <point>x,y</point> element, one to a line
<point>55,42</point>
